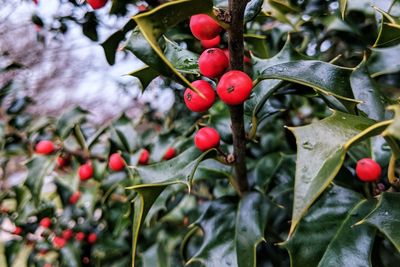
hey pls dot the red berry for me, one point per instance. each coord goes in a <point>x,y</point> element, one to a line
<point>213,62</point>
<point>144,157</point>
<point>211,43</point>
<point>80,236</point>
<point>195,102</point>
<point>61,161</point>
<point>85,260</point>
<point>45,222</point>
<point>234,87</point>
<point>67,234</point>
<point>85,171</point>
<point>42,252</point>
<point>92,238</point>
<point>368,170</point>
<point>48,265</point>
<point>59,242</point>
<point>74,197</point>
<point>45,147</point>
<point>96,4</point>
<point>206,138</point>
<point>203,27</point>
<point>17,231</point>
<point>116,162</point>
<point>169,154</point>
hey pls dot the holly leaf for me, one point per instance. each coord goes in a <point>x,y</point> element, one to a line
<point>325,78</point>
<point>155,178</point>
<point>385,217</point>
<point>328,228</point>
<point>153,24</point>
<point>253,8</point>
<point>365,89</point>
<point>389,30</point>
<point>38,169</point>
<point>324,143</point>
<point>68,120</point>
<point>384,61</point>
<point>224,219</point>
<point>145,76</point>
<point>183,60</point>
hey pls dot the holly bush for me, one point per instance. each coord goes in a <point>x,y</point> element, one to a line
<point>279,181</point>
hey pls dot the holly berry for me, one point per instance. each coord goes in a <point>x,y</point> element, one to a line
<point>67,234</point>
<point>96,4</point>
<point>59,242</point>
<point>206,138</point>
<point>211,43</point>
<point>213,62</point>
<point>144,157</point>
<point>74,197</point>
<point>170,153</point>
<point>45,147</point>
<point>203,27</point>
<point>48,265</point>
<point>62,161</point>
<point>197,103</point>
<point>80,236</point>
<point>45,222</point>
<point>17,230</point>
<point>368,170</point>
<point>234,87</point>
<point>116,162</point>
<point>85,171</point>
<point>92,238</point>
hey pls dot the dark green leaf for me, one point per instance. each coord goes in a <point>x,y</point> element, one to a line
<point>145,76</point>
<point>385,217</point>
<point>384,61</point>
<point>253,7</point>
<point>183,60</point>
<point>68,120</point>
<point>328,228</point>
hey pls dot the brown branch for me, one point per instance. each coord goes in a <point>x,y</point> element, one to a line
<point>236,50</point>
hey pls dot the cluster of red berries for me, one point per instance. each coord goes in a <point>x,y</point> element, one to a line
<point>115,162</point>
<point>233,87</point>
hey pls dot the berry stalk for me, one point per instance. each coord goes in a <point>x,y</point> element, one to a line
<point>236,50</point>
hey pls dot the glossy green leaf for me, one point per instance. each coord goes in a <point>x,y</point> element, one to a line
<point>324,143</point>
<point>155,178</point>
<point>365,89</point>
<point>155,23</point>
<point>68,120</point>
<point>257,44</point>
<point>393,130</point>
<point>389,30</point>
<point>222,221</point>
<point>110,45</point>
<point>38,169</point>
<point>183,60</point>
<point>253,7</point>
<point>385,217</point>
<point>328,228</point>
<point>384,61</point>
<point>124,135</point>
<point>283,6</point>
<point>145,76</point>
<point>324,77</point>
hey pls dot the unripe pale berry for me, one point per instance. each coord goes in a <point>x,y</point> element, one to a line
<point>234,87</point>
<point>45,222</point>
<point>85,171</point>
<point>368,170</point>
<point>211,43</point>
<point>96,4</point>
<point>144,157</point>
<point>45,147</point>
<point>92,238</point>
<point>74,197</point>
<point>195,102</point>
<point>206,138</point>
<point>59,242</point>
<point>213,62</point>
<point>116,162</point>
<point>169,154</point>
<point>203,27</point>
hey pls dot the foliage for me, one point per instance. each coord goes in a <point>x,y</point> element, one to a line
<point>325,78</point>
